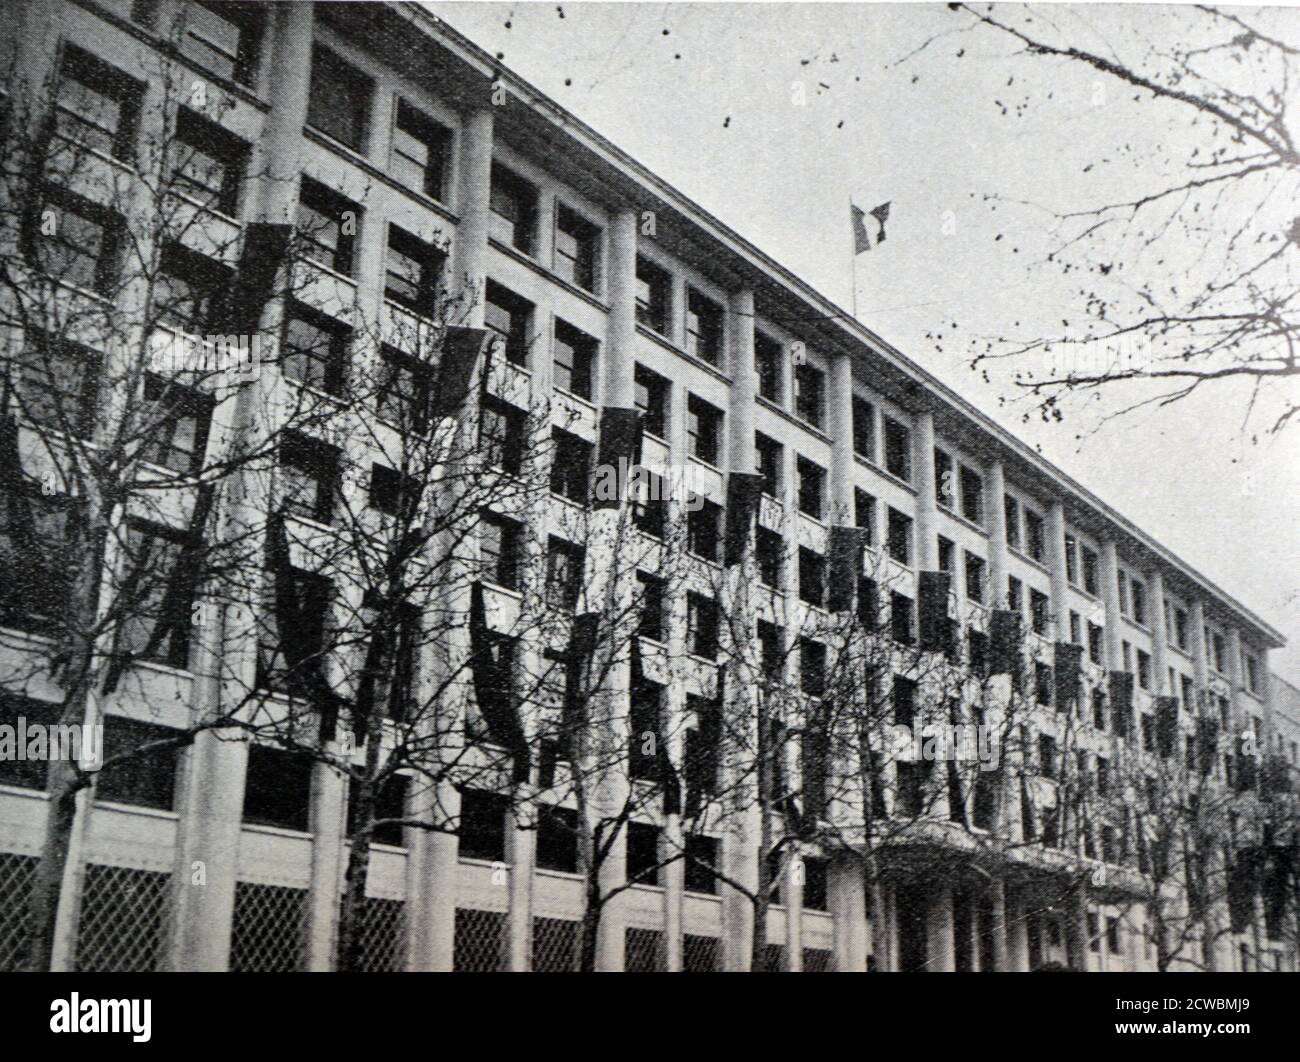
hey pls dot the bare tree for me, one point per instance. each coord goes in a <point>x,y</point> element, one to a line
<point>1188,280</point>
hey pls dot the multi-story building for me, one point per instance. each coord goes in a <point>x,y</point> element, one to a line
<point>610,290</point>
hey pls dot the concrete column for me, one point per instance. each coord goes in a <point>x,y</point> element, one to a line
<point>674,878</point>
<point>472,201</point>
<point>792,897</point>
<point>432,865</point>
<point>1200,651</point>
<point>1060,615</point>
<point>891,962</point>
<point>847,897</point>
<point>329,793</point>
<point>1159,636</point>
<point>744,384</point>
<point>1000,931</point>
<point>620,347</point>
<point>940,943</point>
<point>1108,572</point>
<point>1076,927</point>
<point>1017,934</point>
<point>840,402</point>
<point>996,518</point>
<point>521,846</point>
<point>927,520</point>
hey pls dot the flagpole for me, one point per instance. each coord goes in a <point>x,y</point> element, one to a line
<point>853,260</point>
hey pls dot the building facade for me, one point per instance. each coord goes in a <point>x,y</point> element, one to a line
<point>609,289</point>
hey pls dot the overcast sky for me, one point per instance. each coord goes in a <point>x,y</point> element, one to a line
<point>707,96</point>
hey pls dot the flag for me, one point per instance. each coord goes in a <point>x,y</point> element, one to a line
<point>881,214</point>
<point>861,241</point>
<point>858,217</point>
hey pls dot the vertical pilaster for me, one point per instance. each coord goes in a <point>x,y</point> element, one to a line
<point>328,853</point>
<point>847,899</point>
<point>841,432</point>
<point>1159,634</point>
<point>941,952</point>
<point>621,289</point>
<point>521,846</point>
<point>1017,931</point>
<point>1000,931</point>
<point>927,545</point>
<point>1108,572</point>
<point>473,198</point>
<point>792,897</point>
<point>1057,568</point>
<point>996,517</point>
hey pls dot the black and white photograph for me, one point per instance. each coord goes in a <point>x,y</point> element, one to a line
<point>642,488</point>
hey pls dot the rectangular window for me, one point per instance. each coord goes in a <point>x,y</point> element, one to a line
<point>651,590</point>
<point>575,360</point>
<point>977,652</point>
<point>564,563</point>
<point>570,466</point>
<point>947,555</point>
<point>945,487</point>
<point>704,530</point>
<point>701,863</point>
<point>1144,669</point>
<point>315,349</point>
<point>974,578</point>
<point>812,577</point>
<point>652,401</point>
<point>557,838</point>
<point>1042,683</point>
<point>703,430</point>
<point>421,150</point>
<point>499,550</point>
<point>339,102</point>
<point>812,487</point>
<point>153,556</point>
<point>768,362</point>
<point>57,383</point>
<point>1047,756</point>
<point>643,850</point>
<point>1252,674</point>
<point>1015,595</point>
<point>653,296</point>
<point>513,202</point>
<point>771,650</point>
<point>411,271</point>
<point>207,162</point>
<point>1138,593</point>
<point>187,288</point>
<point>864,428</point>
<point>972,496</point>
<point>482,824</point>
<point>1089,570</point>
<point>577,243</point>
<point>1035,537</point>
<point>901,619</point>
<point>277,788</point>
<point>703,327</point>
<point>310,471</point>
<point>275,670</point>
<point>145,780</point>
<point>1180,629</point>
<point>864,514</point>
<point>1220,652</point>
<point>82,247</point>
<point>225,38</point>
<point>1094,643</point>
<point>809,394</point>
<point>1122,580</point>
<point>327,226</point>
<point>812,667</point>
<point>1039,611</point>
<point>770,455</point>
<point>702,625</point>
<point>403,394</point>
<point>898,450</point>
<point>510,317</point>
<point>1076,628</point>
<point>1011,507</point>
<point>180,417</point>
<point>389,803</point>
<point>97,106</point>
<point>650,504</point>
<point>900,537</point>
<point>769,549</point>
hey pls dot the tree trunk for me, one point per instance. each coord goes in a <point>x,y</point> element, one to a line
<point>47,882</point>
<point>589,925</point>
<point>348,948</point>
